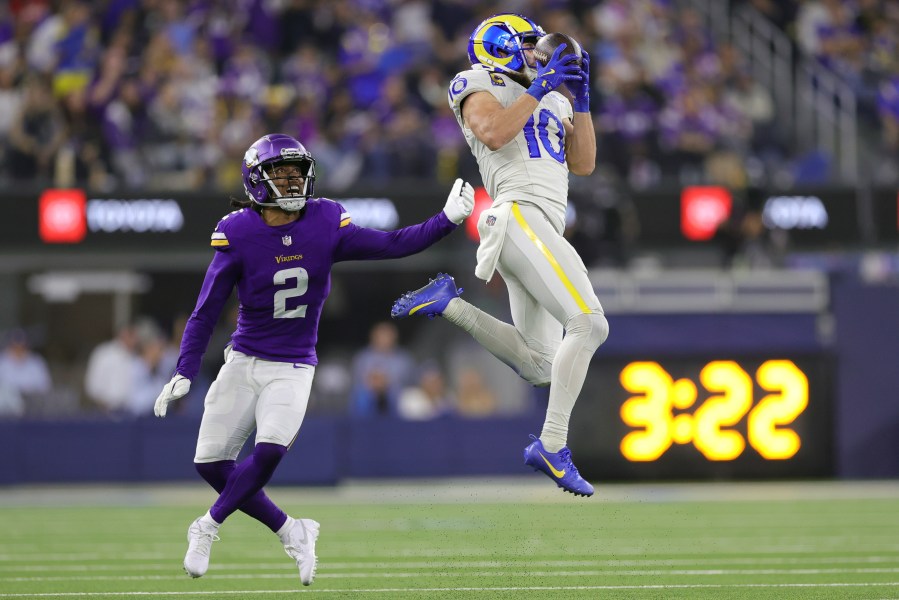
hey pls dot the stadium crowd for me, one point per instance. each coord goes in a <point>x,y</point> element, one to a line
<point>164,93</point>
<point>858,40</point>
<point>122,376</point>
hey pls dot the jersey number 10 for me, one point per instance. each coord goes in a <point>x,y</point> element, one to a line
<point>531,135</point>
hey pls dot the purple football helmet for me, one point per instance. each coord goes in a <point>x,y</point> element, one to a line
<point>259,163</point>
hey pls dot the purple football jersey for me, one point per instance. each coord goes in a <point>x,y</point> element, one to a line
<point>283,276</point>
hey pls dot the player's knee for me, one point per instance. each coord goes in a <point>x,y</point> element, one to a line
<point>211,452</point>
<point>592,327</point>
<point>539,371</point>
<point>267,455</point>
<point>215,473</point>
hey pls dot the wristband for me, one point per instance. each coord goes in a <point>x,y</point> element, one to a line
<point>582,104</point>
<point>537,90</point>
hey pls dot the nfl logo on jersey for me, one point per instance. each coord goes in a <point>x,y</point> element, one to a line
<point>287,240</point>
<point>491,220</point>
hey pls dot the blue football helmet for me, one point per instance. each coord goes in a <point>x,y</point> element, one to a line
<point>259,162</point>
<point>496,44</point>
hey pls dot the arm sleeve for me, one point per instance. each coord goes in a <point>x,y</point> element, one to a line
<point>221,276</point>
<point>362,243</point>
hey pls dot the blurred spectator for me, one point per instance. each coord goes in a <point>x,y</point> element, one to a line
<point>109,379</point>
<point>888,106</point>
<point>10,105</point>
<point>37,133</point>
<point>23,375</point>
<point>429,399</point>
<point>690,131</point>
<point>11,403</point>
<point>475,399</point>
<point>124,124</point>
<point>80,161</point>
<point>373,395</point>
<point>153,366</point>
<point>380,371</point>
<point>627,127</point>
<point>811,16</point>
<point>753,101</point>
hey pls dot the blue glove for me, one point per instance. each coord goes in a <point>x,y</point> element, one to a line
<point>555,72</point>
<point>580,89</point>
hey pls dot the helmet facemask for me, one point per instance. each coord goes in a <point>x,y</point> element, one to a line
<point>527,70</point>
<point>298,174</point>
<point>278,159</point>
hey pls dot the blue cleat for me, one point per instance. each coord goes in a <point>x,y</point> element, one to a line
<point>558,466</point>
<point>431,300</point>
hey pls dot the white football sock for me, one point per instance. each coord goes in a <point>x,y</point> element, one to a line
<point>285,529</point>
<point>208,520</point>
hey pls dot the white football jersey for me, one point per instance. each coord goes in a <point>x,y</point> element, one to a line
<point>532,168</point>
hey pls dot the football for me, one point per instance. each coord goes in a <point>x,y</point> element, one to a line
<point>546,45</point>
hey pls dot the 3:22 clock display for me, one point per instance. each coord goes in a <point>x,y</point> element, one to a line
<point>705,417</point>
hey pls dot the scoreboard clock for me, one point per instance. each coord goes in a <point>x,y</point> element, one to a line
<point>705,417</point>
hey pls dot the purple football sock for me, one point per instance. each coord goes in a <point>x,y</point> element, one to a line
<point>259,506</point>
<point>240,486</point>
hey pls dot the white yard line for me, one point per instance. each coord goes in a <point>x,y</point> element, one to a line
<point>467,564</point>
<point>461,589</point>
<point>176,576</point>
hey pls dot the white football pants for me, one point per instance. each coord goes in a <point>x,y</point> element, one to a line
<point>549,291</point>
<point>251,393</point>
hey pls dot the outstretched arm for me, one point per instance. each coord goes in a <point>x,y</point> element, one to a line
<point>362,243</point>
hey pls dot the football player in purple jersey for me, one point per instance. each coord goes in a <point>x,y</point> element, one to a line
<point>277,249</point>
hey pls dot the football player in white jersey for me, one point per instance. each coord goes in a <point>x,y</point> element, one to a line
<point>528,126</point>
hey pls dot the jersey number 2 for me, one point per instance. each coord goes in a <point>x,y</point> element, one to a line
<point>281,296</point>
<point>531,133</point>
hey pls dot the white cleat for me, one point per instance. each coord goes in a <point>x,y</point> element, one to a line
<point>300,546</point>
<point>200,536</point>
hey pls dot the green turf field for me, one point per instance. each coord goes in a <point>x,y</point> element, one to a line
<point>467,539</point>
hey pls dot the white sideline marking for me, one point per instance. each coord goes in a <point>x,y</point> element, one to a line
<point>470,564</point>
<point>462,589</point>
<point>407,575</point>
<point>441,556</point>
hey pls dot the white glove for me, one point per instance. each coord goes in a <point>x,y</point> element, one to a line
<point>174,389</point>
<point>460,202</point>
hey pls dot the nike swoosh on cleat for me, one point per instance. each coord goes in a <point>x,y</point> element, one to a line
<point>421,306</point>
<point>555,471</point>
<point>305,537</point>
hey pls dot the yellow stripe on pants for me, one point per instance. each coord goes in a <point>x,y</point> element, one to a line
<point>516,212</point>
